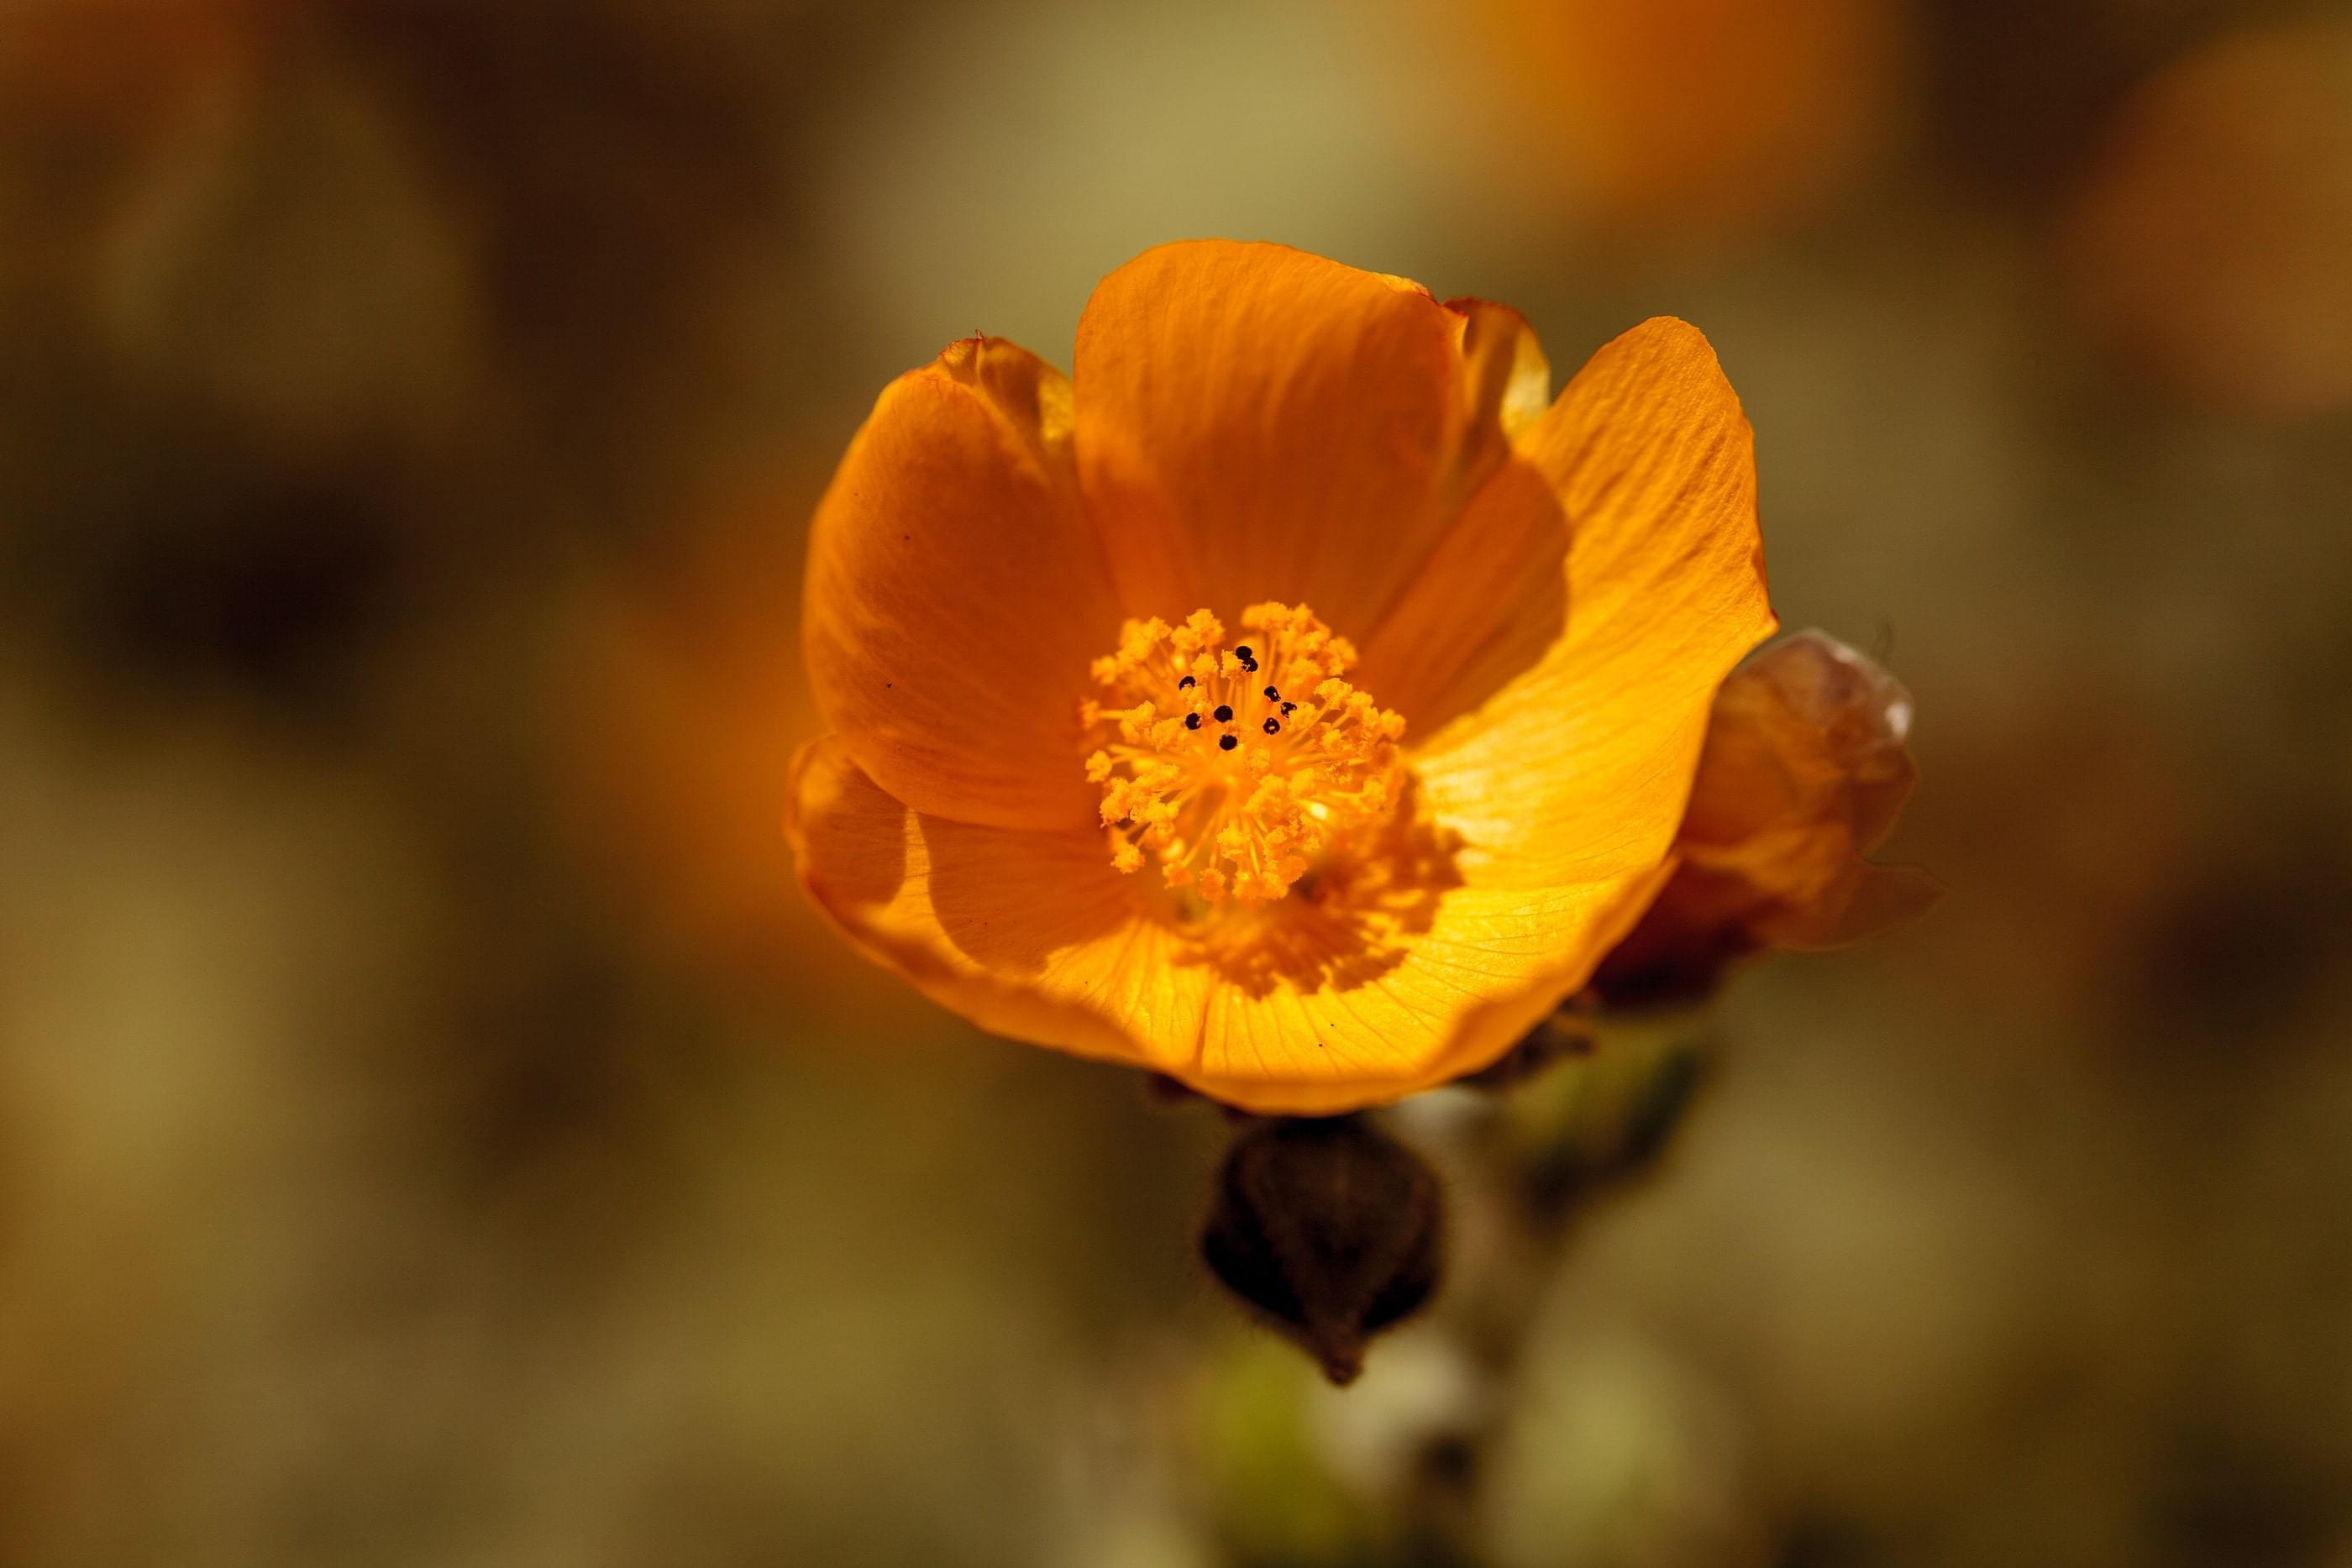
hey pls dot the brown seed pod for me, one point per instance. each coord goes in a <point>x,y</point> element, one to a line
<point>1328,1229</point>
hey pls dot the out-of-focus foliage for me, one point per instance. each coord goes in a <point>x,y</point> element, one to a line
<point>430,1131</point>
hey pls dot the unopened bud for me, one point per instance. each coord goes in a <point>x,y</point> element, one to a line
<point>1803,773</point>
<point>1329,1229</point>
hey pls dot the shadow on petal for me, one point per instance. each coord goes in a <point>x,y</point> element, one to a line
<point>1349,921</point>
<point>1486,607</point>
<point>1009,901</point>
<point>1004,900</point>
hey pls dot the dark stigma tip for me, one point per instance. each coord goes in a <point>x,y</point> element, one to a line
<point>1192,721</point>
<point>1225,713</point>
<point>1227,742</point>
<point>1274,727</point>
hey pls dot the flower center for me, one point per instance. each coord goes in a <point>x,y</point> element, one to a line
<point>1236,769</point>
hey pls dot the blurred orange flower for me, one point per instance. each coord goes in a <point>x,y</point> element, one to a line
<point>1691,116</point>
<point>2212,240</point>
<point>127,63</point>
<point>677,750</point>
<point>1803,773</point>
<point>1099,779</point>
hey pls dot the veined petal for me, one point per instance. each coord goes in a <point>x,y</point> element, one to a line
<point>1028,934</point>
<point>1034,937</point>
<point>1606,559</point>
<point>1492,962</point>
<point>956,592</point>
<point>1255,422</point>
<point>1577,770</point>
<point>1490,598</point>
<point>1490,603</point>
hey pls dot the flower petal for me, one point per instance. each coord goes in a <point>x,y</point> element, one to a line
<point>1034,937</point>
<point>1257,423</point>
<point>1492,964</point>
<point>1490,598</point>
<point>1486,609</point>
<point>956,594</point>
<point>1577,770</point>
<point>1028,934</point>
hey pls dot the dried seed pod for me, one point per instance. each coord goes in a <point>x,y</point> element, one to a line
<point>1327,1229</point>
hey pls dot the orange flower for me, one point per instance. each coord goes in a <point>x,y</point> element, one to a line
<point>125,64</point>
<point>1301,703</point>
<point>1803,773</point>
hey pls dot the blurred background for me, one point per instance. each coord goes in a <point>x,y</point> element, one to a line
<point>432,1130</point>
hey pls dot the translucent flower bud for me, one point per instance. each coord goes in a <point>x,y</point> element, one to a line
<point>1803,773</point>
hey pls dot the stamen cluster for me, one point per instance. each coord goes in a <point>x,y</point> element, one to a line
<point>1235,768</point>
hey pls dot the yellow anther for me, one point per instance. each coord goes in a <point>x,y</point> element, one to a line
<point>1232,792</point>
